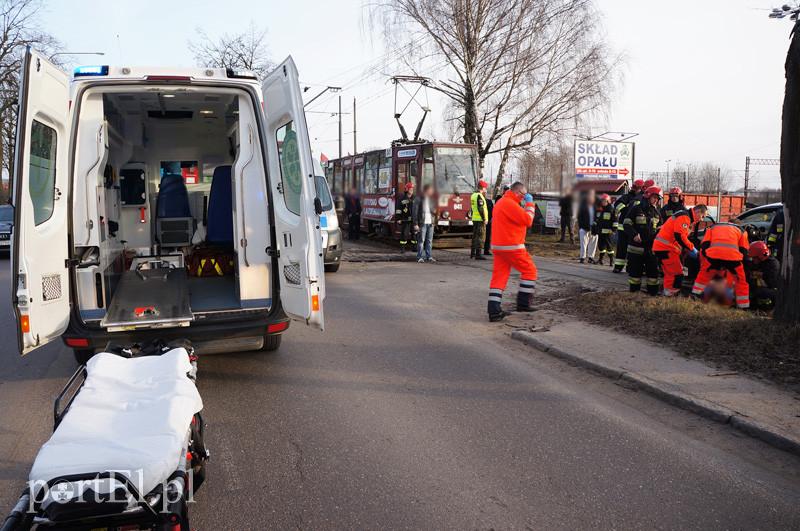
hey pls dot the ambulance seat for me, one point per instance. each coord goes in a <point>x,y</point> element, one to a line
<point>220,208</point>
<point>174,221</point>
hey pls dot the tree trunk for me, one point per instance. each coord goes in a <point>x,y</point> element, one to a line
<point>502,169</point>
<point>787,307</point>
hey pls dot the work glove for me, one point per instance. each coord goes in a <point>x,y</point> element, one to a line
<point>693,254</point>
<point>527,198</point>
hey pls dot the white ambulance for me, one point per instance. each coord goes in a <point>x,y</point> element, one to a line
<point>162,203</point>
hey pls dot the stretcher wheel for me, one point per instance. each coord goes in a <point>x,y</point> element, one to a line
<point>272,343</point>
<point>82,356</point>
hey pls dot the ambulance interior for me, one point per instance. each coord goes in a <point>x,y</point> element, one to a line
<point>169,206</point>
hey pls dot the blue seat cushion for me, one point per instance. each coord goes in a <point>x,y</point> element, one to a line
<point>220,208</point>
<point>173,199</point>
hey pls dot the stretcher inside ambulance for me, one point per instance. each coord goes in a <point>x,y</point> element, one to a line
<point>163,203</point>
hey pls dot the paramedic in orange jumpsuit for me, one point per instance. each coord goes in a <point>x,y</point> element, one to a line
<point>723,249</point>
<point>510,223</point>
<point>671,240</point>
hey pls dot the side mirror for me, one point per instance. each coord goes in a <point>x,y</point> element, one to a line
<point>318,206</point>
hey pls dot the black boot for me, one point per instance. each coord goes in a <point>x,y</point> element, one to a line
<point>525,298</point>
<point>471,253</point>
<point>496,312</point>
<point>479,256</point>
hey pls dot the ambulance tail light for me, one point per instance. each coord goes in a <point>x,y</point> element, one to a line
<point>90,70</point>
<point>25,323</point>
<point>275,328</point>
<point>77,342</point>
<point>240,74</point>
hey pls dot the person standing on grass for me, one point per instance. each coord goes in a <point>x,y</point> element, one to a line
<point>565,208</point>
<point>352,211</point>
<point>479,217</point>
<point>586,223</point>
<point>513,215</point>
<point>424,213</point>
<point>641,226</point>
<point>605,222</point>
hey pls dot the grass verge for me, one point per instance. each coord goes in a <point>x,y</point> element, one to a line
<point>736,340</point>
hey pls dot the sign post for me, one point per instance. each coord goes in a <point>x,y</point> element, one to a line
<point>601,159</point>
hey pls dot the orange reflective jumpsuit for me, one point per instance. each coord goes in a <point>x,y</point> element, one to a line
<point>671,239</point>
<point>510,223</point>
<point>723,249</point>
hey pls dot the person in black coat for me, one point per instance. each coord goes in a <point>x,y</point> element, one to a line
<point>352,211</point>
<point>487,244</point>
<point>565,208</point>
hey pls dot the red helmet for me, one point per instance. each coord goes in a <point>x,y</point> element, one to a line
<point>758,251</point>
<point>483,184</point>
<point>409,187</point>
<point>652,190</point>
<point>649,183</point>
<point>638,184</point>
<point>605,197</point>
<point>675,190</point>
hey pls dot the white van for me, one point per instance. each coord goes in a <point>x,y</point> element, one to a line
<point>155,203</point>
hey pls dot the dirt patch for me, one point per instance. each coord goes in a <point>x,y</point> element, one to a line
<point>549,246</point>
<point>734,340</point>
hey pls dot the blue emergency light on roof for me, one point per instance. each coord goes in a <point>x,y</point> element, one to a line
<point>93,70</point>
<point>240,74</point>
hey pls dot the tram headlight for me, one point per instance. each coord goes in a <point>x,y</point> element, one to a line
<point>445,214</point>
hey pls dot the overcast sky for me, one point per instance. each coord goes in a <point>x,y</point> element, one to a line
<point>703,81</point>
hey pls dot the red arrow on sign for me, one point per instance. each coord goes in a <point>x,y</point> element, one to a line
<point>623,172</point>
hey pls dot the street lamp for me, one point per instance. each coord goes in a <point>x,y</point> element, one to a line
<point>668,161</point>
<point>326,89</point>
<point>74,53</point>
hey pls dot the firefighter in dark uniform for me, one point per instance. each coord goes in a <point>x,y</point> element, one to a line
<point>675,203</point>
<point>775,235</point>
<point>405,218</point>
<point>763,275</point>
<point>605,221</point>
<point>641,226</point>
<point>620,211</point>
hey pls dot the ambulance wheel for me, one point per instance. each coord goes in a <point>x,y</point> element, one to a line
<point>332,268</point>
<point>82,356</point>
<point>272,343</point>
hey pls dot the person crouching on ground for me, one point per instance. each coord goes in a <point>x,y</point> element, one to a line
<point>763,275</point>
<point>722,253</point>
<point>671,240</point>
<point>513,215</point>
<point>424,211</point>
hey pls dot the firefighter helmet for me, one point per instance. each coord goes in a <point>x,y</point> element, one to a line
<point>758,251</point>
<point>675,190</point>
<point>652,190</point>
<point>605,197</point>
<point>649,183</point>
<point>638,184</point>
<point>483,184</point>
<point>409,186</point>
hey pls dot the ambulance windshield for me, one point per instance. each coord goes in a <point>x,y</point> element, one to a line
<point>455,169</point>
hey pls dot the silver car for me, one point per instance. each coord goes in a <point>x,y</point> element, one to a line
<point>6,226</point>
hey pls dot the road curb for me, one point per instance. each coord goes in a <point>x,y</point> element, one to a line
<point>668,393</point>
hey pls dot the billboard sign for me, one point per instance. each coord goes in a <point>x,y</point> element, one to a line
<point>599,159</point>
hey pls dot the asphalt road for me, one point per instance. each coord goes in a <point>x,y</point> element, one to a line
<point>412,411</point>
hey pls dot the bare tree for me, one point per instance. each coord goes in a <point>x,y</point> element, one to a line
<point>19,28</point>
<point>247,50</point>
<point>542,170</point>
<point>787,308</point>
<point>520,72</point>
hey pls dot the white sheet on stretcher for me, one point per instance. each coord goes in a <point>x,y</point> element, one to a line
<point>131,416</point>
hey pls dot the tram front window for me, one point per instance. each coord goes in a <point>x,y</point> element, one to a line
<point>455,169</point>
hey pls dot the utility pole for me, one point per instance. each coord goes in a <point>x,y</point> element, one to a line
<point>746,177</point>
<point>340,127</point>
<point>355,143</point>
<point>719,195</point>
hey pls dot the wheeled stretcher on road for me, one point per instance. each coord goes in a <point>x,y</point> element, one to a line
<point>127,450</point>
